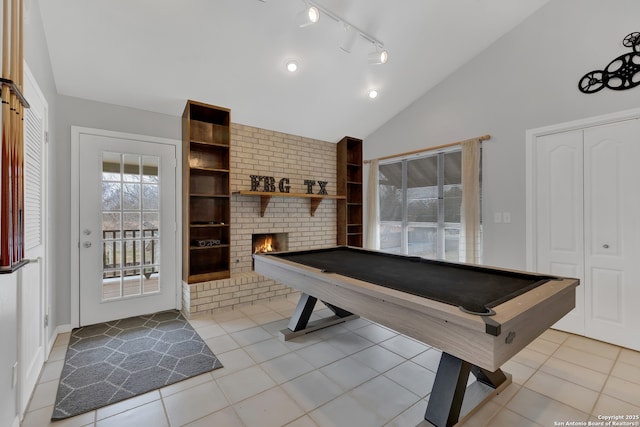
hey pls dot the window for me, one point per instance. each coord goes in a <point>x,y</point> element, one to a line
<point>420,200</point>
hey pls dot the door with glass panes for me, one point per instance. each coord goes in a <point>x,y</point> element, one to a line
<point>127,227</point>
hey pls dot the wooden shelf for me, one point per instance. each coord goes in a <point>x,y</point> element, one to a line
<point>265,198</point>
<point>209,195</point>
<point>349,183</point>
<point>212,247</point>
<point>209,143</point>
<point>209,169</point>
<point>206,138</point>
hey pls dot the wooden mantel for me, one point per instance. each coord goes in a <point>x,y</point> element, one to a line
<point>265,198</point>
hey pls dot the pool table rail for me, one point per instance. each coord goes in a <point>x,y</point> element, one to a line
<point>516,323</point>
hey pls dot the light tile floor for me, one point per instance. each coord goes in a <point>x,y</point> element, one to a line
<point>355,374</point>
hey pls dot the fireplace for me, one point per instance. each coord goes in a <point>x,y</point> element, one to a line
<point>269,242</point>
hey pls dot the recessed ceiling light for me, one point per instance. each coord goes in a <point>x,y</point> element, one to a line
<point>292,65</point>
<point>372,93</point>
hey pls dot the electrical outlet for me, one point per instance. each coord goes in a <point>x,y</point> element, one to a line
<point>506,217</point>
<point>497,217</point>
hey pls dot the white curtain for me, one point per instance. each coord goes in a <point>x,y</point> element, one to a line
<point>372,239</point>
<point>470,210</point>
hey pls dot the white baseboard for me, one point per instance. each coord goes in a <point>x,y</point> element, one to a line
<point>60,329</point>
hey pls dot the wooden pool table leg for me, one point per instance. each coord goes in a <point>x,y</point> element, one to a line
<point>299,323</point>
<point>450,386</point>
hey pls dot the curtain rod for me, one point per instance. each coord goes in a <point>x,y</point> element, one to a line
<point>437,147</point>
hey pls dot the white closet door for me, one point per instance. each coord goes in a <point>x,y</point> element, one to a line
<point>559,215</point>
<point>612,232</point>
<point>32,289</point>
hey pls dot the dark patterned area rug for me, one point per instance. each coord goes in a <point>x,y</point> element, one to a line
<point>113,361</point>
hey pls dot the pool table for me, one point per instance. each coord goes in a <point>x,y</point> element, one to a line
<point>479,317</point>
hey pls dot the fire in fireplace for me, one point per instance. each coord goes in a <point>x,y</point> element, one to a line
<point>270,242</point>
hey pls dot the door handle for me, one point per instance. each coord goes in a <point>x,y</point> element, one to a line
<point>86,244</point>
<point>605,246</point>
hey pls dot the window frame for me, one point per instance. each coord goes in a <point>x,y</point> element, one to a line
<point>441,226</point>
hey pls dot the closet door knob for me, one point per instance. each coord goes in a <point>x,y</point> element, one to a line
<point>605,246</point>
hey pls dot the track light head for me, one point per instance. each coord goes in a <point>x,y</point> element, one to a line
<point>378,57</point>
<point>310,15</point>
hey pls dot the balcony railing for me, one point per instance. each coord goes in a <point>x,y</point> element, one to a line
<point>130,255</point>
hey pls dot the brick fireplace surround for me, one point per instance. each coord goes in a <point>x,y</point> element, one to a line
<point>257,151</point>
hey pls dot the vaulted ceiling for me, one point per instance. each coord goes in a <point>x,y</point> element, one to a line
<point>156,54</point>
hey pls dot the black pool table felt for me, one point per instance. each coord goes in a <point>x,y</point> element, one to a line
<point>474,288</point>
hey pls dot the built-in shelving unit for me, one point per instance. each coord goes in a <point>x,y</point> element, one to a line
<point>349,183</point>
<point>206,215</point>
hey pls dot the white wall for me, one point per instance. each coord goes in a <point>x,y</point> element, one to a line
<point>37,58</point>
<point>9,347</point>
<point>527,79</point>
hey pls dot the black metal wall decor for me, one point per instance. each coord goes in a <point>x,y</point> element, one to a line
<point>622,73</point>
<point>283,185</point>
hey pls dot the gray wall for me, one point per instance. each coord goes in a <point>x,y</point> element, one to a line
<point>527,79</point>
<point>79,112</point>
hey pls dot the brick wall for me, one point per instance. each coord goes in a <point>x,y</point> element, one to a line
<point>263,152</point>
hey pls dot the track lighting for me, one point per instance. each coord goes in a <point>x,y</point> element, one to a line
<point>310,15</point>
<point>350,37</point>
<point>378,57</point>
